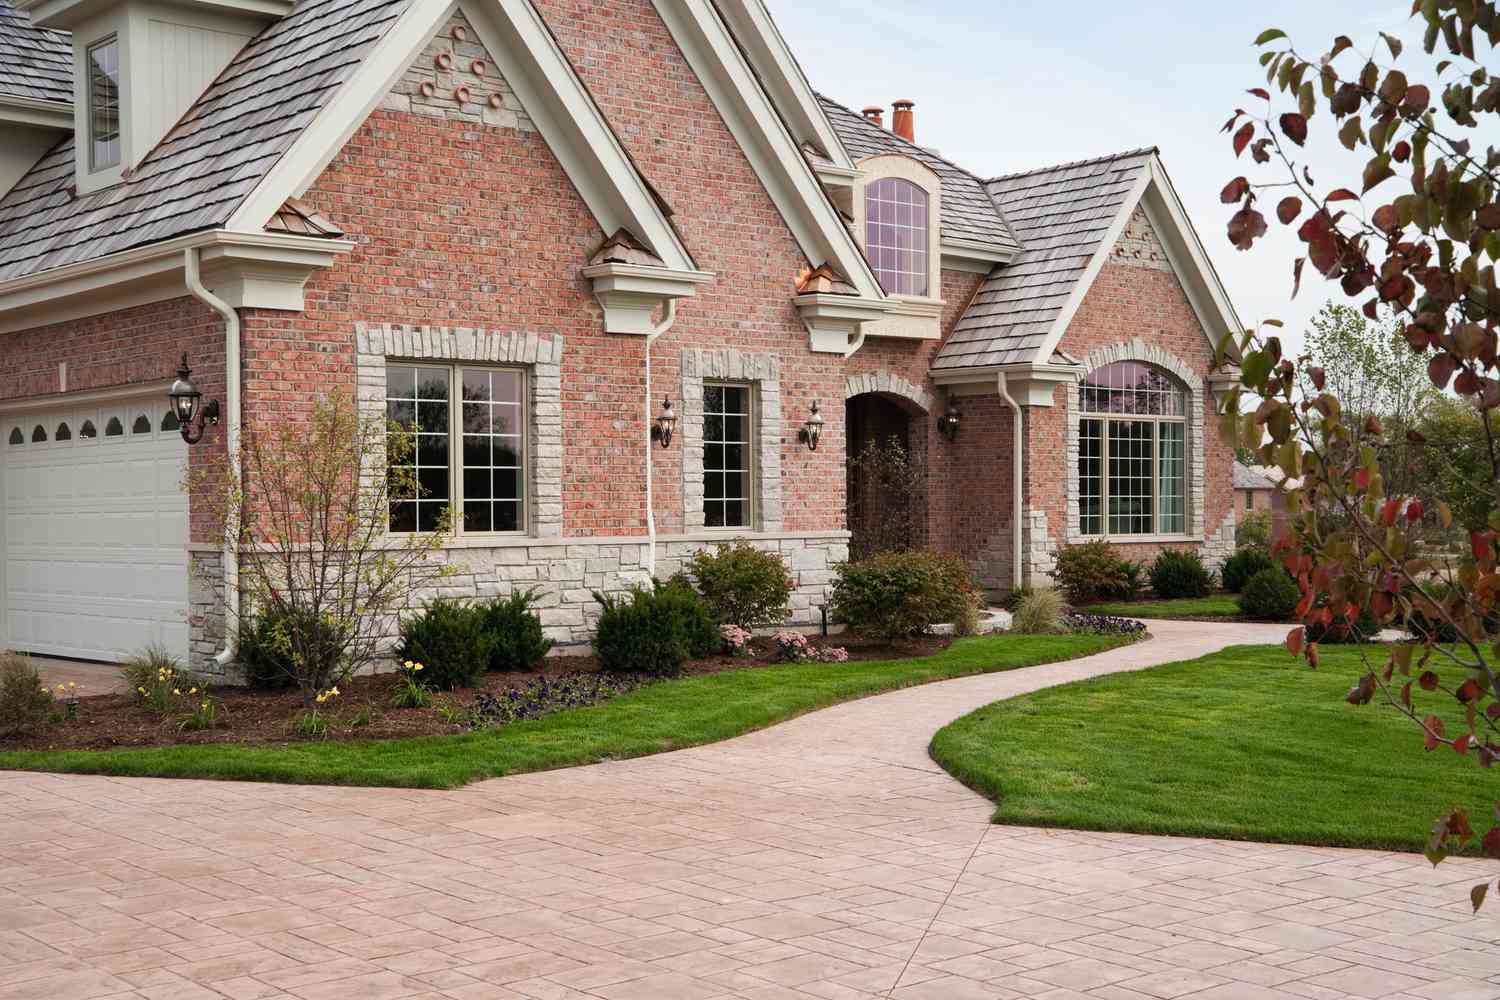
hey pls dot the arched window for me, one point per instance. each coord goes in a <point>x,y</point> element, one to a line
<point>114,428</point>
<point>16,437</point>
<point>896,235</point>
<point>38,434</point>
<point>142,425</point>
<point>64,432</point>
<point>1132,452</point>
<point>88,430</point>
<point>169,421</point>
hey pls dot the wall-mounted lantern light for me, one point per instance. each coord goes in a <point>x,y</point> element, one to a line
<point>948,423</point>
<point>661,430</point>
<point>812,429</point>
<point>185,398</point>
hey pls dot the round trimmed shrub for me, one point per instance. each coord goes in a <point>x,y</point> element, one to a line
<point>1364,629</point>
<point>451,642</point>
<point>742,585</point>
<point>1175,574</point>
<point>520,644</point>
<point>1270,595</point>
<point>1240,567</point>
<point>1094,571</point>
<point>654,631</point>
<point>896,595</point>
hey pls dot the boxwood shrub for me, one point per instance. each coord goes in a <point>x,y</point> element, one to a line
<point>520,644</point>
<point>896,595</point>
<point>1270,595</point>
<point>742,585</point>
<point>450,640</point>
<point>1176,573</point>
<point>1240,567</point>
<point>654,631</point>
<point>1094,571</point>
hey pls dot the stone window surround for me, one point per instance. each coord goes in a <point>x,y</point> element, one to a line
<point>886,165</point>
<point>1137,350</point>
<point>763,372</point>
<point>541,355</point>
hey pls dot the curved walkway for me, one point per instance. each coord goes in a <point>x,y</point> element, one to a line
<point>824,858</point>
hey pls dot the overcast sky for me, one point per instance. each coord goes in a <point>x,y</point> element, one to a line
<point>1024,83</point>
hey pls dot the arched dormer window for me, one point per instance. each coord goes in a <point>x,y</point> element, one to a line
<point>1132,452</point>
<point>897,234</point>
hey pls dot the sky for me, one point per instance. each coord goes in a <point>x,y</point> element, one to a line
<point>1018,84</point>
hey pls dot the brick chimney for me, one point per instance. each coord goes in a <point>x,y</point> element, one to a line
<point>875,114</point>
<point>903,123</point>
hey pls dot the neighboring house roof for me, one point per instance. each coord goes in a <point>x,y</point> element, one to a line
<point>211,160</point>
<point>1251,477</point>
<point>35,64</point>
<point>1062,216</point>
<point>969,213</point>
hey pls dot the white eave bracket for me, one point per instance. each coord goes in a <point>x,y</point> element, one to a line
<point>1225,379</point>
<point>630,294</point>
<point>836,324</point>
<point>1029,385</point>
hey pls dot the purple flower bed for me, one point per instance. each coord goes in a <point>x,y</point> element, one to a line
<point>1105,625</point>
<point>546,695</point>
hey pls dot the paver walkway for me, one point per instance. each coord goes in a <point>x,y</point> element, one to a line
<point>825,858</point>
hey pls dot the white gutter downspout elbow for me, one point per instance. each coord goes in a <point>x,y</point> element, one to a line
<point>1017,508</point>
<point>668,318</point>
<point>231,438</point>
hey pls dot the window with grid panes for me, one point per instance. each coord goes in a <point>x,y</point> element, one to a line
<point>896,235</point>
<point>728,466</point>
<point>469,455</point>
<point>1132,452</point>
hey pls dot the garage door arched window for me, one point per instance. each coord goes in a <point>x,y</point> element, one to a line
<point>88,430</point>
<point>64,432</point>
<point>16,437</point>
<point>114,428</point>
<point>1132,452</point>
<point>38,434</point>
<point>142,425</point>
<point>169,422</point>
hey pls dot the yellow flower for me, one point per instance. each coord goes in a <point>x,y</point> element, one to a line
<point>141,690</point>
<point>409,664</point>
<point>175,691</point>
<point>71,685</point>
<point>192,690</point>
<point>60,687</point>
<point>417,667</point>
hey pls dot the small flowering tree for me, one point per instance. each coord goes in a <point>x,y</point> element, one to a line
<point>1412,233</point>
<point>310,523</point>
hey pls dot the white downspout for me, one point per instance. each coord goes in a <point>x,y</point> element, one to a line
<point>1017,509</point>
<point>231,438</point>
<point>668,318</point>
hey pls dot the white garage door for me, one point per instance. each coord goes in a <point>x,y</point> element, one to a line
<point>93,530</point>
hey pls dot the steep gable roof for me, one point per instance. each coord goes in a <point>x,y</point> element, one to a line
<point>969,213</point>
<point>198,175</point>
<point>1062,216</point>
<point>35,64</point>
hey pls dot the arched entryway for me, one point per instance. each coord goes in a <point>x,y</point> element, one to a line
<point>886,441</point>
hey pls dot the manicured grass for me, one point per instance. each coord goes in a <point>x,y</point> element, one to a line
<point>1244,744</point>
<point>1213,606</point>
<point>653,719</point>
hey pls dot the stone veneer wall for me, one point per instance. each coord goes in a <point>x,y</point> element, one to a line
<point>205,609</point>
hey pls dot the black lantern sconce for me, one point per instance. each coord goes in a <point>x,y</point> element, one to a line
<point>812,429</point>
<point>661,430</point>
<point>185,398</point>
<point>948,423</point>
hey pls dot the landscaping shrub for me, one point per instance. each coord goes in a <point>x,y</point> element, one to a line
<point>742,585</point>
<point>147,667</point>
<point>1094,571</point>
<point>696,622</point>
<point>451,642</point>
<point>1419,623</point>
<point>270,642</point>
<point>1253,530</point>
<point>1365,629</point>
<point>25,701</point>
<point>1104,625</point>
<point>1270,595</point>
<point>655,631</point>
<point>900,594</point>
<point>1014,597</point>
<point>1039,613</point>
<point>1180,574</point>
<point>967,622</point>
<point>1240,567</point>
<point>520,644</point>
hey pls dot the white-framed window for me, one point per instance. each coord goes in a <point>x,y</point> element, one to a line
<point>1249,500</point>
<point>728,455</point>
<point>104,104</point>
<point>897,235</point>
<point>469,453</point>
<point>1132,452</point>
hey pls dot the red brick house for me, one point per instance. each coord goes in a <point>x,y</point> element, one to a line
<point>558,214</point>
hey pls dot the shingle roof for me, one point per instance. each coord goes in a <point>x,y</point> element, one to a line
<point>210,161</point>
<point>969,213</point>
<point>34,63</point>
<point>1249,477</point>
<point>1061,215</point>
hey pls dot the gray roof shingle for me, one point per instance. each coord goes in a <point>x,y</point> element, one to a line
<point>969,213</point>
<point>35,63</point>
<point>199,174</point>
<point>1250,477</point>
<point>1061,215</point>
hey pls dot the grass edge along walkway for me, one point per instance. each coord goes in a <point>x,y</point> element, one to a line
<point>1242,744</point>
<point>669,715</point>
<point>1214,607</point>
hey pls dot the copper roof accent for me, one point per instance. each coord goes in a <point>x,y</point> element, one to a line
<point>624,248</point>
<point>299,218</point>
<point>823,280</point>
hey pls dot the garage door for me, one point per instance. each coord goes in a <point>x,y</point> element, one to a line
<point>93,530</point>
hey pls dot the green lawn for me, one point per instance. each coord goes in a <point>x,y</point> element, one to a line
<point>1246,744</point>
<point>1213,606</point>
<point>653,719</point>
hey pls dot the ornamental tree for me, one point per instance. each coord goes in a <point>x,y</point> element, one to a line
<point>1409,233</point>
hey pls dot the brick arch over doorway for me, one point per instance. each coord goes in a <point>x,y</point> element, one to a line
<point>887,504</point>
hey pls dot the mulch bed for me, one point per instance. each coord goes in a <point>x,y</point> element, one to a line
<point>266,718</point>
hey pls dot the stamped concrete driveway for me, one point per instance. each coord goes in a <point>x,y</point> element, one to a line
<point>827,857</point>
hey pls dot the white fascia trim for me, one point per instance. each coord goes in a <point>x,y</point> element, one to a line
<point>1206,292</point>
<point>57,115</point>
<point>47,402</point>
<point>1033,384</point>
<point>574,128</point>
<point>972,255</point>
<point>1095,265</point>
<point>259,269</point>
<point>713,55</point>
<point>342,116</point>
<point>777,67</point>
